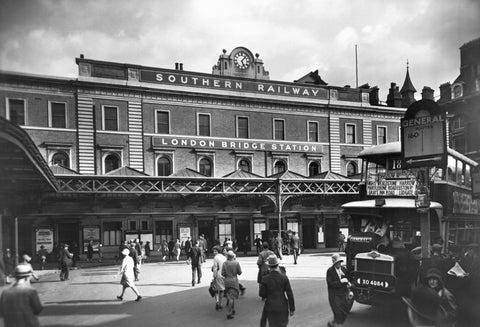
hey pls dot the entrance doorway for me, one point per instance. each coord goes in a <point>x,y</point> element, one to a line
<point>242,231</point>
<point>331,233</point>
<point>206,228</point>
<point>308,233</point>
<point>68,233</point>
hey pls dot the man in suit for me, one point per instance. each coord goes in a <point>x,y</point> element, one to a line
<point>338,290</point>
<point>195,258</point>
<point>295,246</point>
<point>275,288</point>
<point>64,259</point>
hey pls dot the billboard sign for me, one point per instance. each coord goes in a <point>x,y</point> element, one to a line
<point>423,132</point>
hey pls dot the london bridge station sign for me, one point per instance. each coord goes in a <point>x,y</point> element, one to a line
<point>236,144</point>
<point>232,84</point>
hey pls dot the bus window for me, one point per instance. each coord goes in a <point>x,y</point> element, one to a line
<point>451,167</point>
<point>460,176</point>
<point>468,177</point>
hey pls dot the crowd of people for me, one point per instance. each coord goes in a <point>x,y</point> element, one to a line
<point>447,291</point>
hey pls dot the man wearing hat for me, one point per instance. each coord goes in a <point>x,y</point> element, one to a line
<point>338,289</point>
<point>20,304</point>
<point>275,288</point>
<point>64,257</point>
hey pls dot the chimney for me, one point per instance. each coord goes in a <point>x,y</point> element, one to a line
<point>445,92</point>
<point>394,98</point>
<point>82,56</point>
<point>374,101</point>
<point>176,66</point>
<point>180,66</point>
<point>427,93</point>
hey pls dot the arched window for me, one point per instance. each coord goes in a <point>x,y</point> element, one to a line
<point>112,162</point>
<point>279,167</point>
<point>244,165</point>
<point>164,166</point>
<point>61,159</point>
<point>313,169</point>
<point>352,168</point>
<point>205,167</point>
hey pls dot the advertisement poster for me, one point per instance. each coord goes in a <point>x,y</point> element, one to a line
<point>44,237</point>
<point>91,234</point>
<point>184,233</point>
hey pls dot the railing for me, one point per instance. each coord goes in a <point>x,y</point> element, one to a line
<point>175,185</point>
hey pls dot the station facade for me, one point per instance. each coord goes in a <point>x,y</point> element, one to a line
<point>121,122</point>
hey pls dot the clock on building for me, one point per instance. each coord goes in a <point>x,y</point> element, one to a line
<point>241,60</point>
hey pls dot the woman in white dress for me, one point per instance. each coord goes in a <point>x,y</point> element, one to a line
<point>128,277</point>
<point>218,261</point>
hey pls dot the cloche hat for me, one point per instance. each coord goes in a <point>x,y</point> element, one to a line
<point>125,252</point>
<point>336,258</point>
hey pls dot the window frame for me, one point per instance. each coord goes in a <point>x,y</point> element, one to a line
<point>212,165</point>
<point>169,157</point>
<point>106,153</point>
<point>59,151</point>
<point>8,114</point>
<point>317,162</point>
<point>355,164</point>
<point>103,118</point>
<point>238,128</point>
<point>209,123</point>
<point>275,165</point>
<point>379,127</point>
<point>317,130</point>
<point>247,160</point>
<point>347,125</point>
<point>156,121</point>
<point>274,120</point>
<point>50,114</point>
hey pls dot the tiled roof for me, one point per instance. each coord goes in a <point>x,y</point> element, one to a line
<point>288,175</point>
<point>242,174</point>
<point>60,170</point>
<point>187,172</point>
<point>125,171</point>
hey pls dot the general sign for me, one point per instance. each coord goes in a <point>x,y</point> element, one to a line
<point>423,135</point>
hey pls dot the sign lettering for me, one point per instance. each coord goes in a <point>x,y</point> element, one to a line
<point>232,85</point>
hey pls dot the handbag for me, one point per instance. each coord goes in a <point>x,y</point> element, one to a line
<point>212,289</point>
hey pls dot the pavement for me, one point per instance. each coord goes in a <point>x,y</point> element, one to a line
<point>88,298</point>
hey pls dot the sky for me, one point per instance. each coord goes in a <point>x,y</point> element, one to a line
<point>293,37</point>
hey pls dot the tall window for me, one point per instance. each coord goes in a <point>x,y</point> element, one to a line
<point>57,114</point>
<point>279,129</point>
<point>244,165</point>
<point>60,158</point>
<point>242,127</point>
<point>112,162</point>
<point>313,169</point>
<point>205,167</point>
<point>163,231</point>
<point>164,166</point>
<point>381,135</point>
<point>203,125</point>
<point>258,228</point>
<point>163,122</point>
<point>16,111</point>
<point>352,168</point>
<point>112,233</point>
<point>110,118</point>
<point>279,167</point>
<point>224,231</point>
<point>350,135</point>
<point>312,131</point>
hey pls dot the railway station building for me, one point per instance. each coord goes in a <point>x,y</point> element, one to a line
<point>127,151</point>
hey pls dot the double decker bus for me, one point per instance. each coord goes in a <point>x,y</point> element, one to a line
<point>384,245</point>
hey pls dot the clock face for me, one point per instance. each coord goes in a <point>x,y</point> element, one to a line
<point>242,60</point>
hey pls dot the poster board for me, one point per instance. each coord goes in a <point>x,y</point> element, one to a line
<point>91,233</point>
<point>44,236</point>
